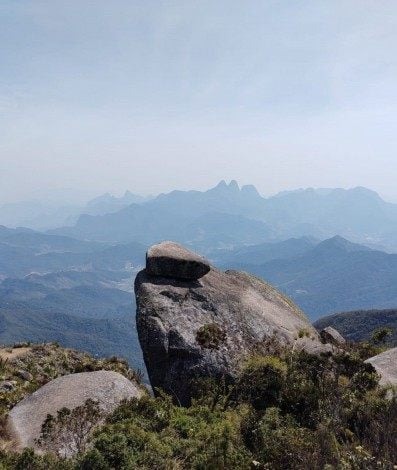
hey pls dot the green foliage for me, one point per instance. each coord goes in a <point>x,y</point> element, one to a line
<point>296,411</point>
<point>68,432</point>
<point>360,325</point>
<point>380,335</point>
<point>303,332</point>
<point>210,336</point>
<point>292,410</point>
<point>261,381</point>
<point>46,362</point>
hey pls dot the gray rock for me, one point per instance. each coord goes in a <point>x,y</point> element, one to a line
<point>330,335</point>
<point>25,375</point>
<point>240,310</point>
<point>168,259</point>
<point>7,385</point>
<point>70,391</point>
<point>386,366</point>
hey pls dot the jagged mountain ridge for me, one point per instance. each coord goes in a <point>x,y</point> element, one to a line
<point>358,214</point>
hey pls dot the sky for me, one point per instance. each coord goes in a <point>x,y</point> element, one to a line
<point>150,95</point>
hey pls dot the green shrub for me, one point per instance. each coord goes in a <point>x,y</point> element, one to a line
<point>210,336</point>
<point>292,410</point>
<point>261,381</point>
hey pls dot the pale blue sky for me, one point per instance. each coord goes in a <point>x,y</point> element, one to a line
<point>155,95</point>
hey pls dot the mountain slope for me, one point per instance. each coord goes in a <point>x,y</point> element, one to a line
<point>263,252</point>
<point>100,337</point>
<point>336,275</point>
<point>359,325</point>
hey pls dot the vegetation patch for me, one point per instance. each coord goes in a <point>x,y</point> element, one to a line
<point>287,410</point>
<point>210,336</point>
<point>25,368</point>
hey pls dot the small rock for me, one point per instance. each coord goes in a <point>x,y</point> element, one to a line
<point>25,375</point>
<point>168,259</point>
<point>7,385</point>
<point>330,335</point>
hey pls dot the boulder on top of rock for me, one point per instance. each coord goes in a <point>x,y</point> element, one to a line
<point>330,335</point>
<point>208,326</point>
<point>168,259</point>
<point>107,388</point>
<point>385,365</point>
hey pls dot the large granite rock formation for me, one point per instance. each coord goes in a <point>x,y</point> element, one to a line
<point>108,388</point>
<point>207,325</point>
<point>386,366</point>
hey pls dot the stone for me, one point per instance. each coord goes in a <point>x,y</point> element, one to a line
<point>176,319</point>
<point>330,335</point>
<point>385,365</point>
<point>7,385</point>
<point>25,375</point>
<point>168,259</point>
<point>108,388</point>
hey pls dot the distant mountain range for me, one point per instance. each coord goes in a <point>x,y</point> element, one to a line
<point>74,284</point>
<point>245,217</point>
<point>44,215</point>
<point>108,203</point>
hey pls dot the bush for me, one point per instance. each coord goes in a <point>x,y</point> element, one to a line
<point>210,336</point>
<point>290,411</point>
<point>261,381</point>
<point>67,433</point>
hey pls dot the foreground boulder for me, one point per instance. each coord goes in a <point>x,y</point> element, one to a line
<point>385,365</point>
<point>207,326</point>
<point>108,388</point>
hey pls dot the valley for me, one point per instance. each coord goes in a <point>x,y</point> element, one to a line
<point>74,284</point>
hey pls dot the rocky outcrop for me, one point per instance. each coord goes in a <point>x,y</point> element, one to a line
<point>171,260</point>
<point>332,336</point>
<point>385,365</point>
<point>106,387</point>
<point>207,326</point>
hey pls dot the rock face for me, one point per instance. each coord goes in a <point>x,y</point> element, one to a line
<point>206,326</point>
<point>168,259</point>
<point>107,387</point>
<point>386,366</point>
<point>330,335</point>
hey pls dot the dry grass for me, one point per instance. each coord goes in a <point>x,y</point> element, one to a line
<point>10,353</point>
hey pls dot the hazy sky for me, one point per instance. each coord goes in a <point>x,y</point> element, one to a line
<point>155,95</point>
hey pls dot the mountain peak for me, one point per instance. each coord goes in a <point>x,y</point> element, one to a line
<point>340,243</point>
<point>250,190</point>
<point>233,185</point>
<point>223,186</point>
